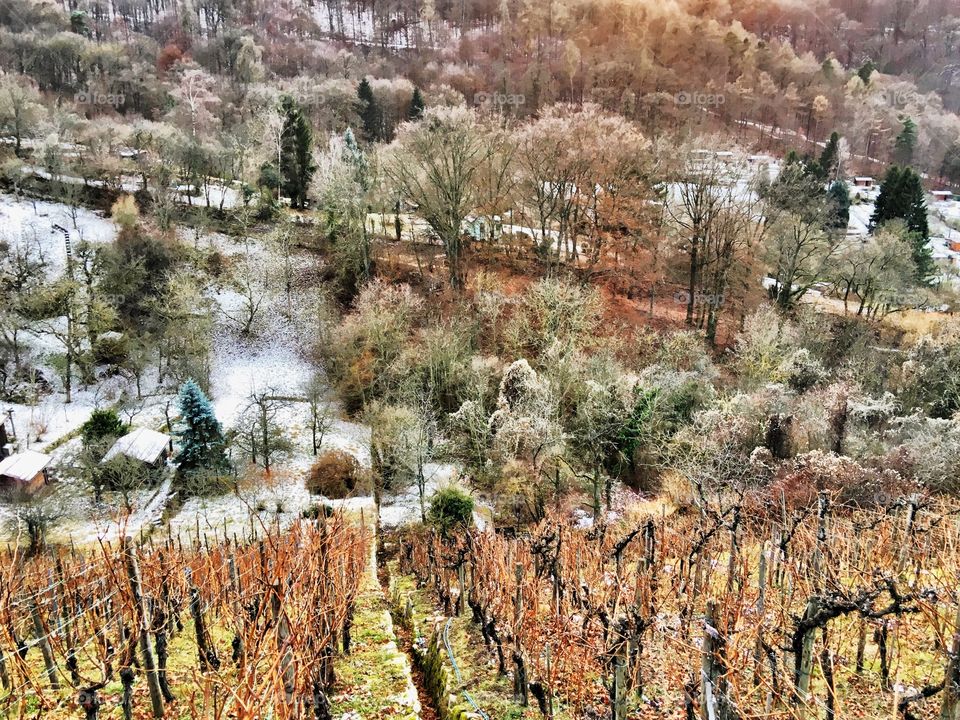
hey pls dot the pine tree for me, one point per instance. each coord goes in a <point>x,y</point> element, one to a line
<point>202,444</point>
<point>905,143</point>
<point>916,201</point>
<point>902,198</point>
<point>80,23</point>
<point>830,157</point>
<point>950,167</point>
<point>296,153</point>
<point>922,256</point>
<point>369,111</point>
<point>355,157</point>
<point>840,196</point>
<point>888,204</point>
<point>417,105</point>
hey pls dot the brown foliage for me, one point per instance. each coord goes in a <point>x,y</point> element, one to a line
<point>336,474</point>
<point>168,57</point>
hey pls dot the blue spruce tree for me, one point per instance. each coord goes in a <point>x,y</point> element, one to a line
<point>354,157</point>
<point>202,445</point>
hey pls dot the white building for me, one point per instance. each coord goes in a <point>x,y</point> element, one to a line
<point>148,446</point>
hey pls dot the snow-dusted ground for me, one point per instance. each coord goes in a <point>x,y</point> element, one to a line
<point>30,222</point>
<point>362,28</point>
<point>213,195</point>
<point>273,358</point>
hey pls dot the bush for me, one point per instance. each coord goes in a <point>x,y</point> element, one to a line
<point>450,508</point>
<point>110,349</point>
<point>101,424</point>
<point>802,371</point>
<point>336,474</point>
<point>316,511</point>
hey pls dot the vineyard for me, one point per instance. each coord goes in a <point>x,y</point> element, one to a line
<point>748,612</point>
<point>235,629</point>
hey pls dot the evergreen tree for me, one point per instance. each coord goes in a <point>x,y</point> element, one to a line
<point>80,23</point>
<point>296,153</point>
<point>417,105</point>
<point>369,111</point>
<point>805,165</point>
<point>916,215</point>
<point>202,444</point>
<point>922,256</point>
<point>866,70</point>
<point>905,143</point>
<point>950,167</point>
<point>830,157</point>
<point>887,205</point>
<point>902,197</point>
<point>355,157</point>
<point>840,197</point>
<point>101,424</point>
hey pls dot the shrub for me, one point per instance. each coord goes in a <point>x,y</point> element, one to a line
<point>336,474</point>
<point>316,511</point>
<point>393,445</point>
<point>450,508</point>
<point>101,424</point>
<point>110,349</point>
<point>369,340</point>
<point>555,311</point>
<point>802,371</point>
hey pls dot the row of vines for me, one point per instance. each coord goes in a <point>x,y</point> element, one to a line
<point>741,612</point>
<point>256,626</point>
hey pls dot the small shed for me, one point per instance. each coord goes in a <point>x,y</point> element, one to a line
<point>864,182</point>
<point>482,227</point>
<point>942,195</point>
<point>24,471</point>
<point>148,446</point>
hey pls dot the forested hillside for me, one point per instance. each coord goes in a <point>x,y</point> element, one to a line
<point>500,360</point>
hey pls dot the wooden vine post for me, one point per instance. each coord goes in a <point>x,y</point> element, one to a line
<point>805,665</point>
<point>950,706</point>
<point>708,669</point>
<point>520,688</point>
<point>205,651</point>
<point>44,641</point>
<point>618,689</point>
<point>153,680</point>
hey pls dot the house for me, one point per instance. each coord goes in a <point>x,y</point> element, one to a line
<point>25,471</point>
<point>148,446</point>
<point>481,227</point>
<point>865,183</point>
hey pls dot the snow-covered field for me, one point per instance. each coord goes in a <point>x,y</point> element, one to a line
<point>274,358</point>
<point>30,222</point>
<point>212,195</point>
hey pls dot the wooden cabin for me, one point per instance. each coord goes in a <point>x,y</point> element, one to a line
<point>148,446</point>
<point>25,471</point>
